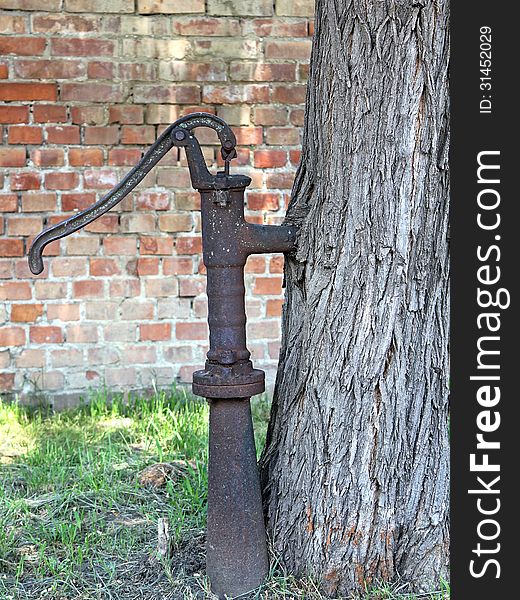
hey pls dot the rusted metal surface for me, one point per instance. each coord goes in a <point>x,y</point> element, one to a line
<point>236,549</point>
<point>236,546</point>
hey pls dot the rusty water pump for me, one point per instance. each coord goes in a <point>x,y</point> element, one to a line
<point>237,559</point>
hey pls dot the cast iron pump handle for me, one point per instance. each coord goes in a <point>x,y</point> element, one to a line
<point>178,134</point>
<point>237,558</point>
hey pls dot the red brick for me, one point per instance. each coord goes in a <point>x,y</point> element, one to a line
<point>155,245</point>
<point>274,308</point>
<point>175,223</point>
<point>153,201</point>
<point>282,136</point>
<point>4,71</point>
<point>247,136</point>
<point>28,91</point>
<point>15,290</point>
<point>87,288</point>
<point>191,331</point>
<point>12,336</point>
<point>65,23</point>
<point>120,245</point>
<point>105,224</point>
<point>63,312</point>
<point>133,134</point>
<point>49,113</point>
<point>254,71</point>
<point>102,135</point>
<point>24,134</point>
<point>276,264</point>
<point>236,94</point>
<point>120,157</point>
<point>100,178</point>
<point>267,286</point>
<point>81,47</point>
<point>279,28</point>
<point>189,245</point>
<point>48,157</point>
<point>61,181</point>
<point>295,157</point>
<point>265,159</point>
<point>263,201</point>
<point>155,332</point>
<point>285,94</point>
<point>138,223</point>
<point>87,115</point>
<point>80,201</point>
<point>27,180</point>
<point>104,267</point>
<point>162,287</point>
<point>11,248</point>
<point>24,225</point>
<point>126,114</point>
<point>69,267</point>
<point>279,181</point>
<point>8,203</point>
<point>6,382</point>
<point>92,92</point>
<point>26,313</point>
<point>82,334</point>
<point>40,334</point>
<point>23,46</point>
<point>49,69</point>
<point>288,49</point>
<point>147,266</point>
<point>12,157</point>
<point>192,287</point>
<point>63,134</point>
<point>180,94</point>
<point>255,264</point>
<point>178,266</point>
<point>85,157</point>
<point>100,70</point>
<point>14,114</point>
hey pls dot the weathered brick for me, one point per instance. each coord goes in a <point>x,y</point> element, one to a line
<point>189,245</point>
<point>191,331</point>
<point>126,114</point>
<point>225,48</point>
<point>23,225</point>
<point>236,94</point>
<point>99,6</point>
<point>100,178</point>
<point>28,91</point>
<point>153,201</point>
<point>15,290</point>
<point>12,157</point>
<point>14,114</point>
<point>26,313</point>
<point>48,157</point>
<point>87,288</point>
<point>42,334</point>
<point>284,94</point>
<point>24,134</point>
<point>101,311</point>
<point>121,376</point>
<point>22,46</point>
<point>155,332</point>
<point>101,69</point>
<point>92,92</point>
<point>47,5</point>
<point>206,26</point>
<point>12,336</point>
<point>50,290</point>
<point>88,115</point>
<point>63,312</point>
<point>147,7</point>
<point>104,267</point>
<point>61,180</point>
<point>64,23</point>
<point>84,333</point>
<point>147,266</point>
<point>295,8</point>
<point>124,156</point>
<point>62,134</point>
<point>243,8</point>
<point>25,180</point>
<point>267,329</point>
<point>276,28</point>
<point>175,223</point>
<point>137,134</point>
<point>124,246</point>
<point>31,357</point>
<point>8,203</point>
<point>161,287</point>
<point>288,49</point>
<point>85,157</point>
<point>185,94</point>
<point>161,113</point>
<point>104,224</point>
<point>178,266</point>
<point>136,310</point>
<point>190,71</point>
<point>155,245</point>
<point>11,247</point>
<point>155,48</point>
<point>263,201</point>
<point>12,23</point>
<point>77,201</point>
<point>282,136</point>
<point>49,69</point>
<point>255,71</point>
<point>69,267</point>
<point>105,136</point>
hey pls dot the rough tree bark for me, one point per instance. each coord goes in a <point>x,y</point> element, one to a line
<point>355,471</point>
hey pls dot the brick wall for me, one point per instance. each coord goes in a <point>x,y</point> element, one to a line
<point>85,87</point>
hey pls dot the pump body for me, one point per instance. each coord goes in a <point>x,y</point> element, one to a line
<point>237,559</point>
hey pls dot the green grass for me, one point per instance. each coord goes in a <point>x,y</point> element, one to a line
<point>75,523</point>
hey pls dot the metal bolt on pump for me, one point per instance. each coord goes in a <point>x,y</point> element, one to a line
<point>237,559</point>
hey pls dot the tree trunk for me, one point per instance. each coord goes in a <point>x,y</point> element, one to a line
<point>355,472</point>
